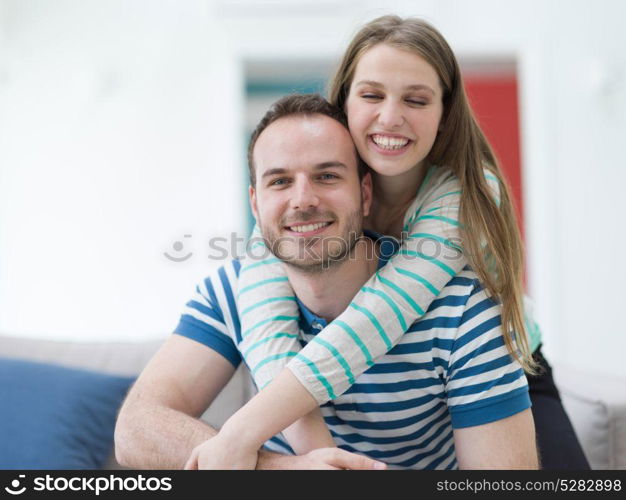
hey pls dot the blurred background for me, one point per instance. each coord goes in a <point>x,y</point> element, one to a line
<point>124,123</point>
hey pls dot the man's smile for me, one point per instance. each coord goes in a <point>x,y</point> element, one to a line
<point>308,228</point>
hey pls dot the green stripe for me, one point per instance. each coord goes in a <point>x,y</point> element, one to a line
<point>261,283</point>
<point>391,304</point>
<point>446,194</point>
<point>356,338</point>
<point>337,355</point>
<point>269,320</point>
<point>443,219</point>
<point>319,376</point>
<point>265,262</point>
<point>273,358</point>
<point>429,236</point>
<point>375,322</point>
<point>437,262</point>
<point>491,177</point>
<point>441,208</point>
<point>426,180</point>
<point>266,301</point>
<point>404,295</point>
<point>267,339</point>
<point>417,277</point>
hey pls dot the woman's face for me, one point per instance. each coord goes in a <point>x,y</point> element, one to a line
<point>394,108</point>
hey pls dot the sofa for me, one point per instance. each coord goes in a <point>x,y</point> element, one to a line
<point>67,394</point>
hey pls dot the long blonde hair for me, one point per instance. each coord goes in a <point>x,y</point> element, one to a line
<point>491,238</point>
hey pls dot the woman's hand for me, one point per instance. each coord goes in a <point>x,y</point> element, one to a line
<point>219,453</point>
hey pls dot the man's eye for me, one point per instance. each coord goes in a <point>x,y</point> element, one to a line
<point>327,177</point>
<point>279,182</point>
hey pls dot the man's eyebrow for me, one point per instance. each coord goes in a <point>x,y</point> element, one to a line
<point>330,164</point>
<point>273,171</point>
<point>417,86</point>
<point>319,166</point>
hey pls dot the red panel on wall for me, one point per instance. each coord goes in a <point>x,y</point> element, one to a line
<point>494,99</point>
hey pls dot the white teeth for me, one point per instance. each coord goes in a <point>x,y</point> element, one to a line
<point>309,227</point>
<point>386,142</point>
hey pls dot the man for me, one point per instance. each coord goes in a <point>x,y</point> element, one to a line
<point>447,395</point>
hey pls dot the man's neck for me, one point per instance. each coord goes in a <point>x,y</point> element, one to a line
<point>329,292</point>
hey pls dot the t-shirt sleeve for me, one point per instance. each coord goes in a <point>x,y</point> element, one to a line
<point>483,382</point>
<point>203,320</point>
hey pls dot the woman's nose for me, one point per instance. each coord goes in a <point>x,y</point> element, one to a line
<point>390,115</point>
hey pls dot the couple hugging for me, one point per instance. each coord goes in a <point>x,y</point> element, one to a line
<point>369,352</point>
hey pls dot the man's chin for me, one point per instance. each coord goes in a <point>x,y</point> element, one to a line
<point>310,266</point>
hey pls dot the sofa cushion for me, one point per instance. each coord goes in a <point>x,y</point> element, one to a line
<point>55,417</point>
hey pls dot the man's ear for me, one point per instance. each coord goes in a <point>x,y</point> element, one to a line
<point>253,206</point>
<point>366,193</point>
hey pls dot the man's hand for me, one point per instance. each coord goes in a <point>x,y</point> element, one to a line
<point>219,453</point>
<point>320,459</point>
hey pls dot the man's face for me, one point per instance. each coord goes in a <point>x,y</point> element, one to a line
<point>308,200</point>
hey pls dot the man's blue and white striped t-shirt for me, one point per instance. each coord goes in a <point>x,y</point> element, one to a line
<point>450,370</point>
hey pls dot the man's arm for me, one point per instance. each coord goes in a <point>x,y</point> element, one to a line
<point>158,425</point>
<point>504,444</point>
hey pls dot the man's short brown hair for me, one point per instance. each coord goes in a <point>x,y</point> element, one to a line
<point>299,105</point>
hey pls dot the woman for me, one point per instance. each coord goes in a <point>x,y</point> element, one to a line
<point>435,179</point>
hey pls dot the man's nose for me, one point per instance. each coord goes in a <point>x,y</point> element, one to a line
<point>303,195</point>
<point>390,115</point>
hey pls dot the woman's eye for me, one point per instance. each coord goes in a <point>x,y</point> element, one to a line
<point>416,102</point>
<point>370,96</point>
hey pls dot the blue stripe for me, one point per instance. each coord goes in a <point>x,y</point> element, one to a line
<point>435,463</point>
<point>477,309</point>
<point>403,385</point>
<point>388,407</point>
<point>206,310</point>
<point>477,331</point>
<point>232,305</point>
<point>492,344</point>
<point>483,367</point>
<point>356,438</point>
<point>201,332</point>
<point>403,367</point>
<point>208,283</point>
<point>433,451</point>
<point>485,386</point>
<point>490,409</point>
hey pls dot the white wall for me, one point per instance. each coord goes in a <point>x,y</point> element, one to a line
<point>119,134</point>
